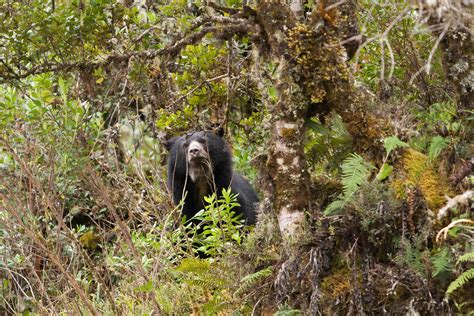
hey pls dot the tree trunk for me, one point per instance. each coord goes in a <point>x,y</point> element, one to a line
<point>312,78</point>
<point>286,163</point>
<point>452,23</point>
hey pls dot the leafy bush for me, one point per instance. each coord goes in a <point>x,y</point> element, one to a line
<point>219,225</point>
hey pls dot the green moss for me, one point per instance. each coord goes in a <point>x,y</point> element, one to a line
<point>337,284</point>
<point>420,172</point>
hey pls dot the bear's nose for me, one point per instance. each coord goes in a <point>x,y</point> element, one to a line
<point>193,151</point>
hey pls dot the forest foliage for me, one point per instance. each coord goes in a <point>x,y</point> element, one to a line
<point>90,90</point>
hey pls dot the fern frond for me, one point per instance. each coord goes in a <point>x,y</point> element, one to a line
<point>206,281</point>
<point>215,307</point>
<point>250,280</point>
<point>466,257</point>
<point>441,262</point>
<point>194,265</point>
<point>334,207</point>
<point>437,145</point>
<point>254,277</point>
<point>411,256</point>
<point>392,142</point>
<point>461,280</point>
<point>198,272</point>
<point>355,171</point>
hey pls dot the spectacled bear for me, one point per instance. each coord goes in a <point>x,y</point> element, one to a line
<point>199,164</point>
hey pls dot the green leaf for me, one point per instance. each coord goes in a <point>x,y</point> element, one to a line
<point>145,288</point>
<point>437,145</point>
<point>193,265</point>
<point>272,92</point>
<point>335,207</point>
<point>385,172</point>
<point>355,171</point>
<point>461,280</point>
<point>467,257</point>
<point>392,142</point>
<point>317,127</point>
<point>441,262</point>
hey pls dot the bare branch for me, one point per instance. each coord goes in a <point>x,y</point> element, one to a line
<point>461,199</point>
<point>222,9</point>
<point>427,65</point>
<point>443,233</point>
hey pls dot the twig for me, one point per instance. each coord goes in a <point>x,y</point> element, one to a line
<point>427,65</point>
<point>236,26</point>
<point>56,210</point>
<point>102,192</point>
<point>254,309</point>
<point>443,233</point>
<point>382,36</point>
<point>335,5</point>
<point>223,9</point>
<point>461,199</point>
<point>148,30</point>
<point>40,242</point>
<point>392,58</point>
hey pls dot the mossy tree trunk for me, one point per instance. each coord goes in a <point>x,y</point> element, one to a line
<point>451,22</point>
<point>286,163</point>
<point>311,79</point>
<point>458,60</point>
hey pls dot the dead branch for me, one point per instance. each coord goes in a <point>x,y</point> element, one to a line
<point>461,199</point>
<point>443,233</point>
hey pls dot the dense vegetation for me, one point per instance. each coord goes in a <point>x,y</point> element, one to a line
<point>353,120</point>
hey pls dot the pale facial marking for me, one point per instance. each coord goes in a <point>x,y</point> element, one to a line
<point>196,150</point>
<point>197,158</point>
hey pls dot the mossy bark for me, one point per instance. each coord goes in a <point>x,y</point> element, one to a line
<point>458,61</point>
<point>457,47</point>
<point>311,79</point>
<point>286,161</point>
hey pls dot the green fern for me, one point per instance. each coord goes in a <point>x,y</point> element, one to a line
<point>328,143</point>
<point>198,272</point>
<point>411,256</point>
<point>334,207</point>
<point>437,145</point>
<point>207,281</point>
<point>391,143</point>
<point>467,257</point>
<point>254,277</point>
<point>464,277</point>
<point>250,280</point>
<point>355,172</point>
<point>194,265</point>
<point>441,262</point>
<point>215,307</point>
<point>461,280</point>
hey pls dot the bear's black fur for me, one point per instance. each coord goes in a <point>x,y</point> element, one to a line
<point>200,163</point>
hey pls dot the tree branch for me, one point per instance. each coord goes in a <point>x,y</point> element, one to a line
<point>235,26</point>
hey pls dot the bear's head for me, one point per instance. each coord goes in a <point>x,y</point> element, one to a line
<point>200,153</point>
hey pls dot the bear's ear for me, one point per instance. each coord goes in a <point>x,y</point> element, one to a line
<point>219,130</point>
<point>170,142</point>
<point>216,129</point>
